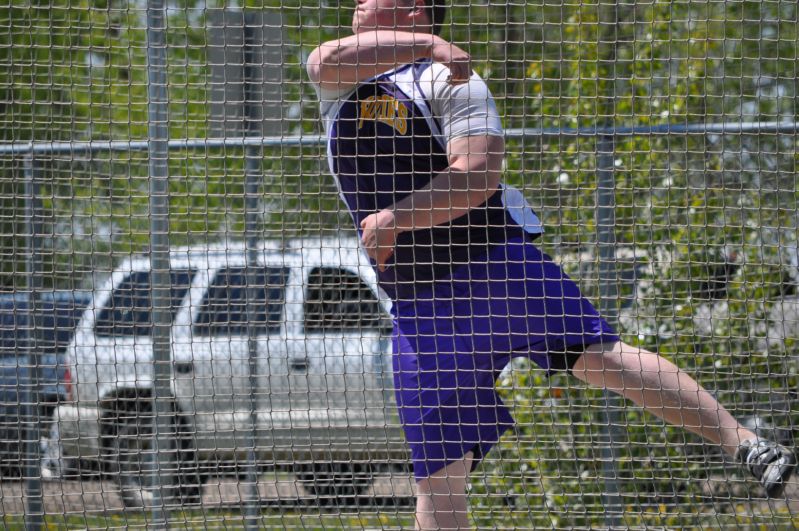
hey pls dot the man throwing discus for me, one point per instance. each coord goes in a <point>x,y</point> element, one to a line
<point>416,146</point>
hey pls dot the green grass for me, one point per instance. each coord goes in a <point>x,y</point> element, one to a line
<point>742,517</point>
<point>228,520</point>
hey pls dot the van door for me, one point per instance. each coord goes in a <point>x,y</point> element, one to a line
<point>120,353</point>
<point>221,348</point>
<point>335,373</point>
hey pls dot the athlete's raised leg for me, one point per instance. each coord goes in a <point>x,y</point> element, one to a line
<point>441,498</point>
<point>671,394</point>
<point>663,389</point>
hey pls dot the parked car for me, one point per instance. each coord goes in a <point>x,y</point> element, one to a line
<point>322,383</point>
<point>57,314</point>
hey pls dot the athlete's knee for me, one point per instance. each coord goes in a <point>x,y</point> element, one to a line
<point>619,361</point>
<point>450,480</point>
<point>441,487</point>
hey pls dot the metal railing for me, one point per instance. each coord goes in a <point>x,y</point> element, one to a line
<point>158,151</point>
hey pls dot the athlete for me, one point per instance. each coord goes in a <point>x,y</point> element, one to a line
<point>416,146</point>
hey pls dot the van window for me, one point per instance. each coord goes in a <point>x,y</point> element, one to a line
<point>129,311</point>
<point>338,300</point>
<point>224,308</point>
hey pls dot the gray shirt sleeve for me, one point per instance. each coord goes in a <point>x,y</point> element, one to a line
<point>461,110</point>
<point>330,98</point>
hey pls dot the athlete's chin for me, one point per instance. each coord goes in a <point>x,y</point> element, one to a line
<point>362,28</point>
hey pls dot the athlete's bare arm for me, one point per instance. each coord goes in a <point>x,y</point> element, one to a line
<point>346,62</point>
<point>472,177</point>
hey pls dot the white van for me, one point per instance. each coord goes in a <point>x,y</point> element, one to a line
<point>323,390</point>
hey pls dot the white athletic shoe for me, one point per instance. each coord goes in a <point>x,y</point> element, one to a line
<point>771,463</point>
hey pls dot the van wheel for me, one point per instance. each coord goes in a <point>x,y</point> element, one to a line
<point>332,482</point>
<point>131,458</point>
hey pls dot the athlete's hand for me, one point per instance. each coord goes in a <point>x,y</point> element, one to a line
<point>379,236</point>
<point>458,61</point>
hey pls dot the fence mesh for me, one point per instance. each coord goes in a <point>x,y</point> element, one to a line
<point>232,366</point>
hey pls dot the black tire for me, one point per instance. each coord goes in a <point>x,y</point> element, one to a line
<point>333,482</point>
<point>130,458</point>
<point>14,458</point>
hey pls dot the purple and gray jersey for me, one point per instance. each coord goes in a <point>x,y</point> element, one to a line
<point>468,295</point>
<point>387,138</point>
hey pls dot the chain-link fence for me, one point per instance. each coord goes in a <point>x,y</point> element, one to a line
<point>192,336</point>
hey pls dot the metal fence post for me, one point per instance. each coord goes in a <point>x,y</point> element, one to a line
<point>608,293</point>
<point>30,396</point>
<point>158,153</point>
<point>252,205</point>
<point>252,178</point>
<point>262,40</point>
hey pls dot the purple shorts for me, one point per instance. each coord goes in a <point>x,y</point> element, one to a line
<point>452,341</point>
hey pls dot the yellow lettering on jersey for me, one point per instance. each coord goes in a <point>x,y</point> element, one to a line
<point>367,110</point>
<point>385,109</point>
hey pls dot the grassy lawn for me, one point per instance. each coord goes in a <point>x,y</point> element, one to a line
<point>743,518</point>
<point>228,520</point>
